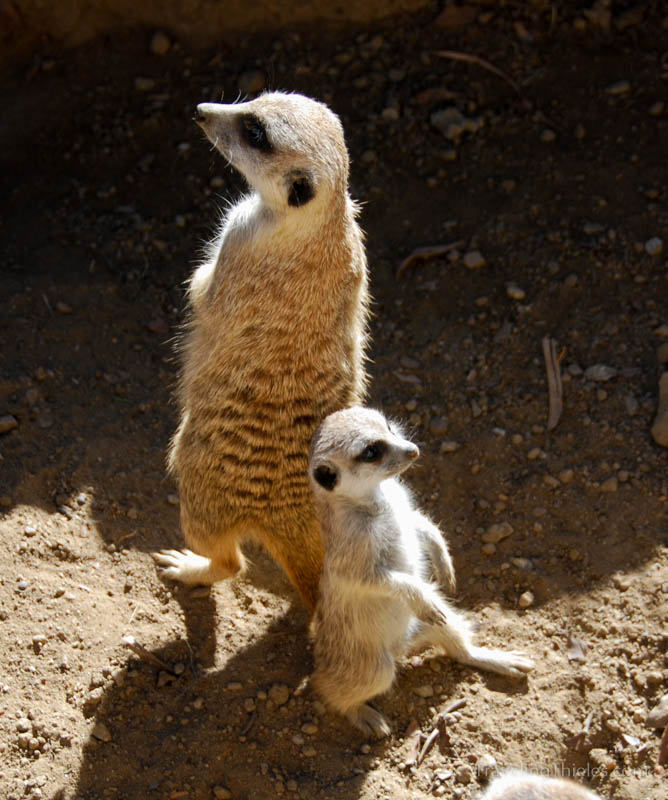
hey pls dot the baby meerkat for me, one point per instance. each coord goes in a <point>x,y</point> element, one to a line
<point>517,785</point>
<point>275,341</point>
<point>376,598</point>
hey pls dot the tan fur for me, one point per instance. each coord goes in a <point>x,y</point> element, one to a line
<point>516,785</point>
<point>275,342</point>
<point>377,600</point>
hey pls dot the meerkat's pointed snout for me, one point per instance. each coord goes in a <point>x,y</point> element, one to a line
<point>412,451</point>
<point>199,116</point>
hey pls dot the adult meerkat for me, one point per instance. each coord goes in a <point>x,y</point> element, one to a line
<point>275,341</point>
<point>376,598</point>
<point>517,785</point>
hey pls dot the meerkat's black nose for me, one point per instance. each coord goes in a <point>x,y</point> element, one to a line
<point>199,116</point>
<point>413,452</point>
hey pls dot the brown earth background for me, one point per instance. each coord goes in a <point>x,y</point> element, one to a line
<point>554,170</point>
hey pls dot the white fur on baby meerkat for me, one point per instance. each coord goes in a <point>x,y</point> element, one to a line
<point>518,785</point>
<point>377,600</point>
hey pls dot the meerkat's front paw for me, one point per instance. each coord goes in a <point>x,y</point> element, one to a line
<point>370,721</point>
<point>434,615</point>
<point>183,565</point>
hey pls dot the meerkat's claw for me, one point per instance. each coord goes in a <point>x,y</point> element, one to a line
<point>370,721</point>
<point>184,566</point>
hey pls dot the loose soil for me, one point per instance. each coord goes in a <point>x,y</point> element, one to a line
<point>109,192</point>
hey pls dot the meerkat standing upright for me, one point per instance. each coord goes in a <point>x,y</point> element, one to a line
<point>275,341</point>
<point>376,600</point>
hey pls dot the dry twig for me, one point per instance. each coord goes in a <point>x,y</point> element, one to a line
<point>423,253</point>
<point>455,55</point>
<point>580,742</point>
<point>146,655</point>
<point>438,731</point>
<point>554,385</point>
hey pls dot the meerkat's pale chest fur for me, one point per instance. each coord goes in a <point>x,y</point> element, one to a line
<point>518,785</point>
<point>275,341</point>
<point>377,599</point>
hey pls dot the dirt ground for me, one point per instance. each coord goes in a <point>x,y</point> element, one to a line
<point>560,183</point>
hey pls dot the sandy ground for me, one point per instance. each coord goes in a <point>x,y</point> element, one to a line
<point>560,183</point>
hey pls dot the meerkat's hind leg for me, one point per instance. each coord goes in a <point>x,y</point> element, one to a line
<point>192,569</point>
<point>455,639</point>
<point>371,722</point>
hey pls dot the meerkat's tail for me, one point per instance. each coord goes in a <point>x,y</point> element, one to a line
<point>456,639</point>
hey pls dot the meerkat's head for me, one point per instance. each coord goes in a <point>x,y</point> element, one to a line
<point>356,449</point>
<point>289,148</point>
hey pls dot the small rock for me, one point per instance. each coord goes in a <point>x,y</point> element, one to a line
<point>619,87</point>
<point>514,292</point>
<point>101,732</point>
<point>622,582</point>
<point>23,725</point>
<point>279,693</point>
<point>488,549</point>
<point>657,108</point>
<point>548,136</point>
<point>464,774</point>
<point>535,453</point>
<point>448,446</point>
<point>179,668</point>
<point>654,246</point>
<point>173,499</point>
<point>249,704</point>
<point>160,44</point>
<point>424,691</point>
<point>610,484</point>
<point>566,475</point>
<point>221,793</point>
<point>8,423</point>
<point>485,766</point>
<point>526,600</point>
<point>496,532</point>
<point>309,728</point>
<point>658,716</point>
<point>474,259</point>
<point>144,84</point>
<point>252,81</point>
<point>63,308</point>
<point>600,373</point>
<point>452,123</point>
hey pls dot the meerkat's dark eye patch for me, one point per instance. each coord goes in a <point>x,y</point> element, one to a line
<point>254,133</point>
<point>326,477</point>
<point>300,190</point>
<point>372,452</point>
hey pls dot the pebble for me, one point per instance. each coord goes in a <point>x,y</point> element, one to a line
<point>657,108</point>
<point>551,481</point>
<point>144,84</point>
<point>63,308</point>
<point>101,732</point>
<point>548,136</point>
<point>173,499</point>
<point>249,704</point>
<point>464,774</point>
<point>566,475</point>
<point>486,766</point>
<point>279,694</point>
<point>365,749</point>
<point>160,44</point>
<point>309,728</point>
<point>8,423</point>
<point>252,81</point>
<point>474,259</point>
<point>424,691</point>
<point>452,123</point>
<point>654,246</point>
<point>514,292</point>
<point>600,373</point>
<point>526,600</point>
<point>535,453</point>
<point>619,87</point>
<point>610,484</point>
<point>488,549</point>
<point>622,582</point>
<point>23,725</point>
<point>221,793</point>
<point>448,446</point>
<point>496,532</point>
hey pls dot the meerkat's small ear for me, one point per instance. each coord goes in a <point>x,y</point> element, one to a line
<point>300,189</point>
<point>326,476</point>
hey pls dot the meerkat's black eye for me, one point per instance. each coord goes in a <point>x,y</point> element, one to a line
<point>326,477</point>
<point>372,452</point>
<point>254,133</point>
<point>300,191</point>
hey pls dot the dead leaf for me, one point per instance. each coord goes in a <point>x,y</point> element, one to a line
<point>423,253</point>
<point>632,741</point>
<point>577,649</point>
